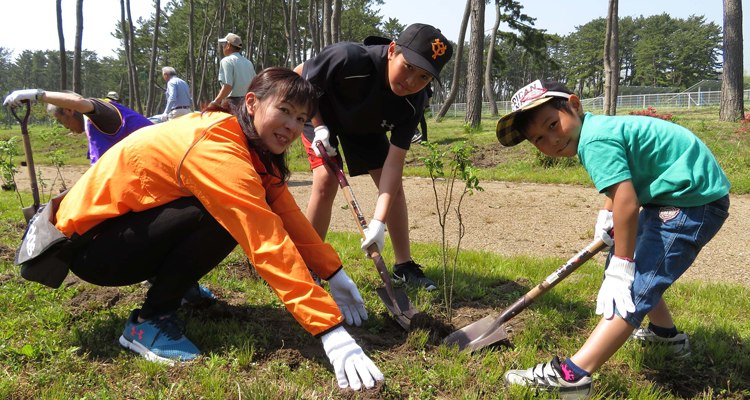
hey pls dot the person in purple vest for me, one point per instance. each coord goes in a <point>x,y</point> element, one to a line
<point>105,123</point>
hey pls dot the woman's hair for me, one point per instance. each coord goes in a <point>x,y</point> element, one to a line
<point>274,82</point>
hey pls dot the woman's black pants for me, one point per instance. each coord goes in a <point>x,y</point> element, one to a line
<point>176,243</point>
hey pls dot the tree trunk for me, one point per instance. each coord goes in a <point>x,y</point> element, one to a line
<point>268,34</point>
<point>336,22</point>
<point>327,23</point>
<point>318,32</point>
<point>136,87</point>
<point>63,57</point>
<point>126,45</point>
<point>293,9</point>
<point>311,23</point>
<point>191,55</point>
<point>457,63</point>
<point>261,42</point>
<point>250,37</point>
<point>222,15</point>
<point>611,59</point>
<point>205,53</point>
<point>289,27</point>
<point>488,90</point>
<point>732,104</point>
<point>474,79</point>
<point>77,84</point>
<point>152,64</point>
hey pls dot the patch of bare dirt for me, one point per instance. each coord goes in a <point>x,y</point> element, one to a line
<point>514,218</point>
<point>541,220</point>
<point>7,253</point>
<point>94,298</point>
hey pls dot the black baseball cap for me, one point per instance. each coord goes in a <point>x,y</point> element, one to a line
<point>425,47</point>
<point>532,95</point>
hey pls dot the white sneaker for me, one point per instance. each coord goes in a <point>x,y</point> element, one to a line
<point>549,377</point>
<point>417,137</point>
<point>679,345</point>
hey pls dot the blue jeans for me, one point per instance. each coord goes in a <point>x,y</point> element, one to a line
<point>669,239</point>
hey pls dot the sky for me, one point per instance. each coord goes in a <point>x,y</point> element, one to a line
<point>22,29</point>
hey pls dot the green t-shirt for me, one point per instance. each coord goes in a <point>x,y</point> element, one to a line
<point>667,163</point>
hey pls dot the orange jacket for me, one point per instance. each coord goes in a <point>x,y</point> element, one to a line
<point>211,156</point>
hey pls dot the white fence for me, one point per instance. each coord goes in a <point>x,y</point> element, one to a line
<point>637,101</point>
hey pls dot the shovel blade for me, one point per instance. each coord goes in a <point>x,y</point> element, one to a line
<point>403,311</point>
<point>475,336</point>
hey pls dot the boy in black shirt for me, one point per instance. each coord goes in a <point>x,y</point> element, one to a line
<point>368,90</point>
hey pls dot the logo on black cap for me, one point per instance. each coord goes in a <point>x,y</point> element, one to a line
<point>438,49</point>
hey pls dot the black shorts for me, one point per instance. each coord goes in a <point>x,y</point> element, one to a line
<point>361,152</point>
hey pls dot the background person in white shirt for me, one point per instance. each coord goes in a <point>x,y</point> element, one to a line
<point>236,72</point>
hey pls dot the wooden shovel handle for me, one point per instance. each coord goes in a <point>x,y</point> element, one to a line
<point>357,213</point>
<point>546,285</point>
<point>27,150</point>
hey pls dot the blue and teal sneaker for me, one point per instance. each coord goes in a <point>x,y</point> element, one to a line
<point>196,294</point>
<point>158,339</point>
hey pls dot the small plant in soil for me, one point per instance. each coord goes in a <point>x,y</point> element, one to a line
<point>459,168</point>
<point>58,158</point>
<point>8,169</point>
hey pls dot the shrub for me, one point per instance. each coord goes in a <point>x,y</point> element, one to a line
<point>651,112</point>
<point>744,124</point>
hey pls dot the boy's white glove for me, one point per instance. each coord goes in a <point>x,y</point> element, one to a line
<point>375,233</point>
<point>323,136</point>
<point>14,99</point>
<point>617,288</point>
<point>604,224</point>
<point>349,361</point>
<point>347,297</point>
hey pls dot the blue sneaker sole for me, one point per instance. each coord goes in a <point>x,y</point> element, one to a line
<point>145,352</point>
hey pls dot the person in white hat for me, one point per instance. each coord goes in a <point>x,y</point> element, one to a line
<point>235,73</point>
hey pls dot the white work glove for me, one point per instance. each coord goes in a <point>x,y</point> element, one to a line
<point>604,224</point>
<point>349,361</point>
<point>617,288</point>
<point>347,297</point>
<point>375,233</point>
<point>14,99</point>
<point>164,117</point>
<point>323,136</point>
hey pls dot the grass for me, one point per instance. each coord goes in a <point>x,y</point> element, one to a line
<point>515,164</point>
<point>63,343</point>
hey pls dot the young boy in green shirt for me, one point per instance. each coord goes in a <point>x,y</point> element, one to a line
<point>636,161</point>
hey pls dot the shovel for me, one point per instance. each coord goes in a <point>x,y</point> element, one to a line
<point>28,212</point>
<point>395,300</point>
<point>490,330</point>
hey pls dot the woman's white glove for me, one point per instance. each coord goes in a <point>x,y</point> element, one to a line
<point>349,361</point>
<point>14,99</point>
<point>323,136</point>
<point>375,233</point>
<point>617,288</point>
<point>347,297</point>
<point>604,224</point>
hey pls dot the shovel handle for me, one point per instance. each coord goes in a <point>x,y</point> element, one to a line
<point>357,213</point>
<point>546,285</point>
<point>26,117</point>
<point>27,150</point>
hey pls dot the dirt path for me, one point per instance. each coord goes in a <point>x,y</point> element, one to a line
<point>517,219</point>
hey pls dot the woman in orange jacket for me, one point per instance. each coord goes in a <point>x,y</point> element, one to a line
<point>172,200</point>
